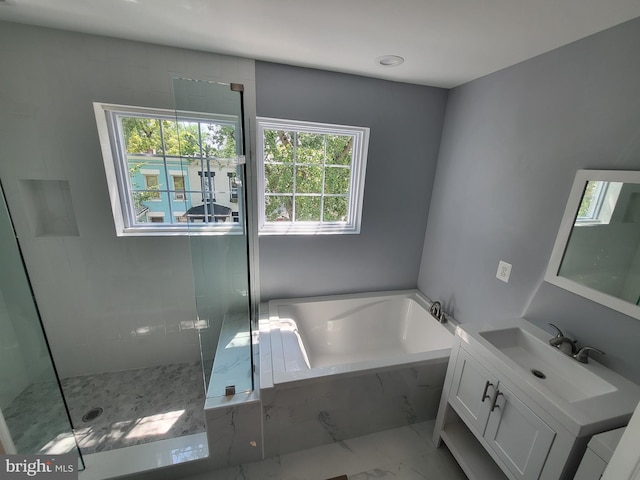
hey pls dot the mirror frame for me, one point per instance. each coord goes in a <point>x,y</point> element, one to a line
<point>568,220</point>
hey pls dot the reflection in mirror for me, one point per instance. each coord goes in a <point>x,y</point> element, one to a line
<point>597,252</point>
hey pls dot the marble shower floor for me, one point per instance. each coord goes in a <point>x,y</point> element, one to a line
<point>139,406</point>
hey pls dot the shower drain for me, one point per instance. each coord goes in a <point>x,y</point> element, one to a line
<point>92,414</point>
<point>538,373</point>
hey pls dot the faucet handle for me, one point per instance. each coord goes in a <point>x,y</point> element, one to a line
<point>558,331</point>
<point>582,355</point>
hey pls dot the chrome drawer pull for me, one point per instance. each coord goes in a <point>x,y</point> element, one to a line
<point>494,404</point>
<point>486,387</point>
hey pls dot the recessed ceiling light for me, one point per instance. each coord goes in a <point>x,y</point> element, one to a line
<point>389,60</point>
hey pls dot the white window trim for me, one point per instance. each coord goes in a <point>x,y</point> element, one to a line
<point>109,133</point>
<point>356,190</point>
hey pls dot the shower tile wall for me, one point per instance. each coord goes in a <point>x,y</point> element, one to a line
<point>108,303</point>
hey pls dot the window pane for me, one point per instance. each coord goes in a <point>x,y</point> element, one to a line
<point>151,207</point>
<point>208,212</point>
<point>142,135</point>
<point>308,209</point>
<point>218,140</point>
<point>335,209</point>
<point>316,167</point>
<point>336,180</point>
<point>178,182</point>
<point>140,166</point>
<point>308,179</point>
<point>278,178</point>
<point>339,149</point>
<point>152,185</point>
<point>278,146</point>
<point>310,148</point>
<point>590,200</point>
<point>279,208</point>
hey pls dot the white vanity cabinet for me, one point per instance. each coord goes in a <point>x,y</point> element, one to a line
<point>514,407</point>
<point>510,429</point>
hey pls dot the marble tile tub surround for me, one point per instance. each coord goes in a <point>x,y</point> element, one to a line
<point>314,411</point>
<point>405,453</point>
<point>333,409</point>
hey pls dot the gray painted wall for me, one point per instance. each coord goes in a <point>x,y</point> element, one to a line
<point>512,143</point>
<point>406,123</point>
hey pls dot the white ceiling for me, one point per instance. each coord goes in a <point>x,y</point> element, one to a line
<point>445,42</point>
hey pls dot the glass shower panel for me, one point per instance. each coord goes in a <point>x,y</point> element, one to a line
<point>31,403</point>
<point>209,119</point>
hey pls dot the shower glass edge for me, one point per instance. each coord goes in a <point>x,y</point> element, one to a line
<point>34,412</point>
<point>215,211</point>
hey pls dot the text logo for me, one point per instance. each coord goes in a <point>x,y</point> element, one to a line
<point>51,467</point>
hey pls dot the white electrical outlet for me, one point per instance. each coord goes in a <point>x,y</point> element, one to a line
<point>504,271</point>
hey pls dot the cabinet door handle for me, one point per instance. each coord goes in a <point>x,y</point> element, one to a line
<point>494,403</point>
<point>486,387</point>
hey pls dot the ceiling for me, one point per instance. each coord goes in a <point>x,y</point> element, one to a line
<point>445,43</point>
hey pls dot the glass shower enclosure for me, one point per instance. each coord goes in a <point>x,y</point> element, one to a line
<point>34,418</point>
<point>216,213</point>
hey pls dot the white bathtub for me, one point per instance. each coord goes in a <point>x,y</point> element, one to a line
<point>335,335</point>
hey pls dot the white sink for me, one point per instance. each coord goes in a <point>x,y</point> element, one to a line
<point>553,370</point>
<point>586,398</point>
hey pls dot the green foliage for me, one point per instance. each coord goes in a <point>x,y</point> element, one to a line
<point>317,159</point>
<point>587,198</point>
<point>179,138</point>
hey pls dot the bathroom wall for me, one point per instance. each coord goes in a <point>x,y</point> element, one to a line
<point>405,122</point>
<point>108,303</point>
<point>512,143</point>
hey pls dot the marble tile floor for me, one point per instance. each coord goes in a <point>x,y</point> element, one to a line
<point>139,406</point>
<point>405,453</point>
<point>38,422</point>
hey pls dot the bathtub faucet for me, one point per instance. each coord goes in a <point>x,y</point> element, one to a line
<point>436,312</point>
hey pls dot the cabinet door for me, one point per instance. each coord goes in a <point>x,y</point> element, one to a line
<point>471,391</point>
<point>591,467</point>
<point>518,436</point>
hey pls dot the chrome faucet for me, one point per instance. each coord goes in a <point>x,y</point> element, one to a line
<point>582,355</point>
<point>436,312</point>
<point>563,343</point>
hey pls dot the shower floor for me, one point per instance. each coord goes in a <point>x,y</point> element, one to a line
<point>138,406</point>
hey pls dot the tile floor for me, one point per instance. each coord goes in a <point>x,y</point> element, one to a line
<point>404,453</point>
<point>38,422</point>
<point>139,406</point>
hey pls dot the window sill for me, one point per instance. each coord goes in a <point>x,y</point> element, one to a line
<point>167,231</point>
<point>308,229</point>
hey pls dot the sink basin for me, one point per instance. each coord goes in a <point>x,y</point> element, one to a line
<point>560,374</point>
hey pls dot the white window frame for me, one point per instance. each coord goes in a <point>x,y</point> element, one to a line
<point>601,209</point>
<point>111,138</point>
<point>356,185</point>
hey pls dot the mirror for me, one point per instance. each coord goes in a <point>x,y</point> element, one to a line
<point>597,251</point>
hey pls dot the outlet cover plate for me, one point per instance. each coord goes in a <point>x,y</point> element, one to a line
<point>504,271</point>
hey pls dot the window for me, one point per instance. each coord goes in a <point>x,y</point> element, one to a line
<point>152,185</point>
<point>311,177</point>
<point>233,187</point>
<point>178,186</point>
<point>161,169</point>
<point>598,203</point>
<point>207,180</point>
